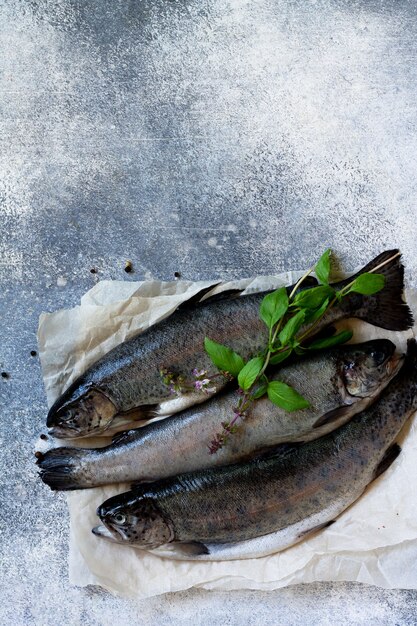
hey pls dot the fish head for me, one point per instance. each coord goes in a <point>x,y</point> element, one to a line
<point>89,414</point>
<point>366,367</point>
<point>134,520</point>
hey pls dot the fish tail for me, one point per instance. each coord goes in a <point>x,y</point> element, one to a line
<point>60,469</point>
<point>386,308</point>
<point>410,362</point>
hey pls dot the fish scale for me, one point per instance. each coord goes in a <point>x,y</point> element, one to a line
<point>270,498</point>
<point>181,442</point>
<point>125,385</point>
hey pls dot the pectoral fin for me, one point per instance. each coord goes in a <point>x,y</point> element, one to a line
<point>140,413</point>
<point>125,436</point>
<point>339,414</point>
<point>280,449</point>
<point>134,418</point>
<point>389,457</point>
<point>193,547</point>
<point>182,550</point>
<point>315,529</point>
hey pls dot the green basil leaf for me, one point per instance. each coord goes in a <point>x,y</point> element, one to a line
<point>327,342</point>
<point>224,358</point>
<point>322,268</point>
<point>285,396</point>
<point>260,390</point>
<point>299,349</point>
<point>312,316</point>
<point>291,328</point>
<point>313,298</point>
<point>249,373</point>
<point>274,306</point>
<point>368,284</point>
<point>280,356</point>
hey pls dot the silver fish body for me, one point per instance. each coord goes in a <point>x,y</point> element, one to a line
<point>126,384</point>
<point>338,384</point>
<point>277,495</point>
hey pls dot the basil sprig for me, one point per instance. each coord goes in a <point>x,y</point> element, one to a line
<point>290,319</point>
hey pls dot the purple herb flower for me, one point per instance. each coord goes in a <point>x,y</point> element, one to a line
<point>199,373</point>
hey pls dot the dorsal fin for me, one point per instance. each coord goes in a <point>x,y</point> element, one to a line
<point>196,298</point>
<point>223,295</point>
<point>203,296</point>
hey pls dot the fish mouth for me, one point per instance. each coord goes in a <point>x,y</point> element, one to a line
<point>89,415</point>
<point>103,531</point>
<point>110,531</point>
<point>67,431</point>
<point>64,432</point>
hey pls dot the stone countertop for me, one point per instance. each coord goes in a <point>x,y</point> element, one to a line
<point>213,139</point>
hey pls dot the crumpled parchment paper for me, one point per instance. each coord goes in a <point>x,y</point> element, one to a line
<point>374,541</point>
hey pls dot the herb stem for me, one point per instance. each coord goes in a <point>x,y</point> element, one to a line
<point>276,312</point>
<point>378,267</point>
<point>298,283</point>
<point>343,292</point>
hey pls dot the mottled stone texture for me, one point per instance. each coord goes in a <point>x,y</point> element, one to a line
<point>217,139</point>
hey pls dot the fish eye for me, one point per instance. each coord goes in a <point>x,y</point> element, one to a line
<point>65,417</point>
<point>378,356</point>
<point>120,518</point>
<point>68,414</point>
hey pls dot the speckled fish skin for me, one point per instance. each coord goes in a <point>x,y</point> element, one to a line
<point>338,384</point>
<point>129,375</point>
<point>238,503</point>
<point>128,379</point>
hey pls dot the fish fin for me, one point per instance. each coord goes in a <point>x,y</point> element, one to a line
<point>389,457</point>
<point>223,295</point>
<point>139,413</point>
<point>381,258</point>
<point>139,485</point>
<point>196,298</point>
<point>228,294</point>
<point>410,361</point>
<point>308,282</point>
<point>315,529</point>
<point>182,550</point>
<point>125,436</point>
<point>192,548</point>
<point>386,308</point>
<point>58,468</point>
<point>332,416</point>
<point>277,450</point>
<point>203,296</point>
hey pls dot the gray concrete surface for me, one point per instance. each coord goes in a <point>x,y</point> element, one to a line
<point>213,138</point>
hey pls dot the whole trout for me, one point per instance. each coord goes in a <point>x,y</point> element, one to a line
<point>126,384</point>
<point>289,494</point>
<point>338,384</point>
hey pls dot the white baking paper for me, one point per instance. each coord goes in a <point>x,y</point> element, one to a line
<point>374,541</point>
